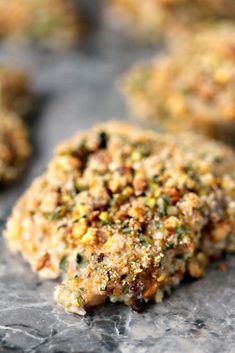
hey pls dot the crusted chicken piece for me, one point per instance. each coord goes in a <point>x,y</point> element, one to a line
<point>55,22</point>
<point>151,18</point>
<point>124,213</point>
<point>192,87</point>
<point>15,92</point>
<point>14,146</point>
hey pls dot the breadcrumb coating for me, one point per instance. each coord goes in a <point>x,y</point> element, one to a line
<point>14,146</point>
<point>151,18</point>
<point>191,87</point>
<point>55,22</point>
<point>125,213</point>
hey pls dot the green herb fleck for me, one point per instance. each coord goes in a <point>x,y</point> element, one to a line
<point>166,202</point>
<point>78,188</point>
<point>144,243</point>
<point>125,290</point>
<point>158,225</point>
<point>55,214</point>
<point>181,231</point>
<point>170,246</point>
<point>63,263</point>
<point>126,230</point>
<point>58,213</point>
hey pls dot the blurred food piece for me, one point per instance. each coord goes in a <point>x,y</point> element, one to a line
<point>191,87</point>
<point>125,213</point>
<point>150,18</point>
<point>14,146</point>
<point>15,91</point>
<point>54,23</point>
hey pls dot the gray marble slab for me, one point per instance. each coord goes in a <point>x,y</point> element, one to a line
<point>199,317</point>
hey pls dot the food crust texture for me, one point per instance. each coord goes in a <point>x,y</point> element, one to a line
<point>125,213</point>
<point>14,146</point>
<point>151,19</point>
<point>191,87</point>
<point>15,92</point>
<point>55,22</point>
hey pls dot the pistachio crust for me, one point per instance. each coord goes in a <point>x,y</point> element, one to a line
<point>55,22</point>
<point>152,19</point>
<point>125,213</point>
<point>191,87</point>
<point>15,92</point>
<point>14,146</point>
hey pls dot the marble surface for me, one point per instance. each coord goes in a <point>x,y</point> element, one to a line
<point>78,90</point>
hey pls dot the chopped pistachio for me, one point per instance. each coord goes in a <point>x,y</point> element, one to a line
<point>63,263</point>
<point>181,231</point>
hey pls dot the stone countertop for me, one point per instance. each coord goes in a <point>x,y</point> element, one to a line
<point>199,317</point>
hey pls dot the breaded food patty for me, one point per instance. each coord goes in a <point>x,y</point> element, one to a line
<point>15,92</point>
<point>152,18</point>
<point>14,146</point>
<point>192,87</point>
<point>55,22</point>
<point>125,213</point>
